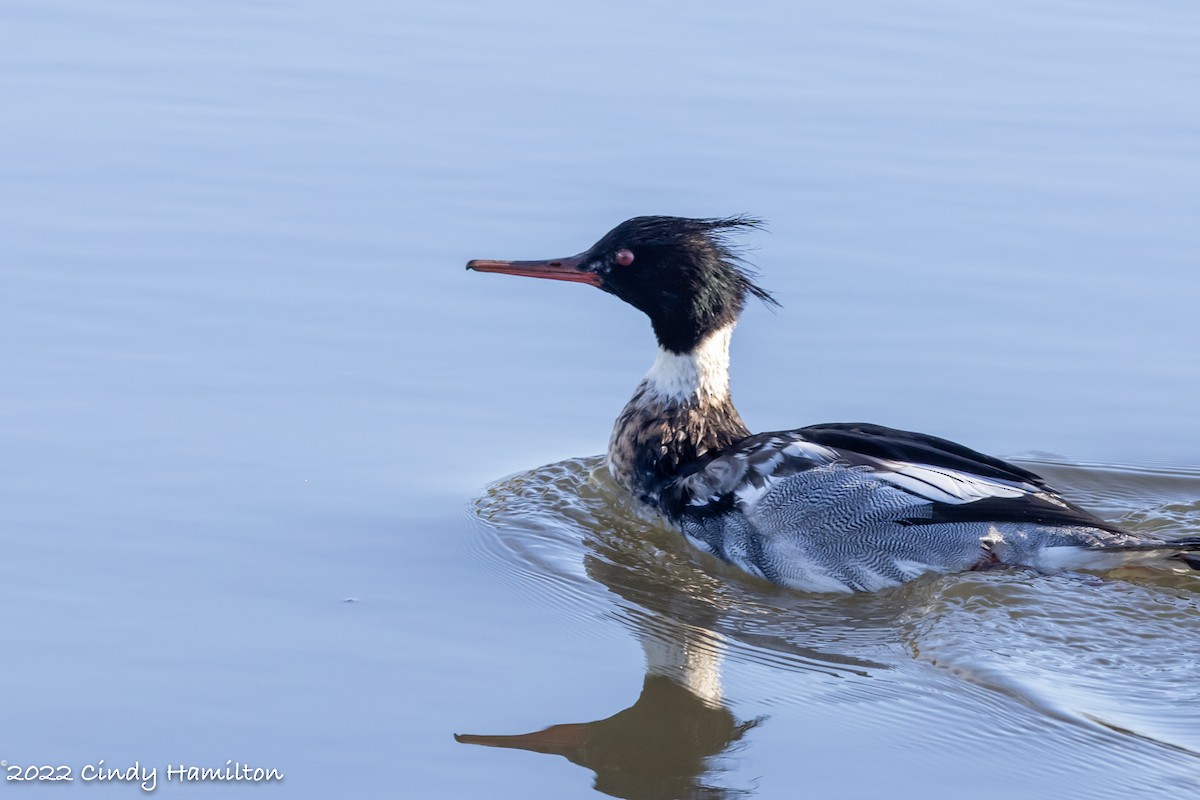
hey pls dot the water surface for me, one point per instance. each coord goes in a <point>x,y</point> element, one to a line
<point>255,418</point>
<point>1027,667</point>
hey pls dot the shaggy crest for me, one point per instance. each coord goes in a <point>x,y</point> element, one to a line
<point>685,274</point>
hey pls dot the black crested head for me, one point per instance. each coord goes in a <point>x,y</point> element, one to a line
<point>682,273</point>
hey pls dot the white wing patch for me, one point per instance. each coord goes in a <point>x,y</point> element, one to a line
<point>813,452</point>
<point>942,485</point>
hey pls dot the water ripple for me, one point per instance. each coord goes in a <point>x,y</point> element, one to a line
<point>1117,655</point>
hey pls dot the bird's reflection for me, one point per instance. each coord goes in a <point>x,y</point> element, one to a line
<point>673,742</point>
<point>660,748</point>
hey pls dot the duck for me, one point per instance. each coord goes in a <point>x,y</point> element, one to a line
<point>834,507</point>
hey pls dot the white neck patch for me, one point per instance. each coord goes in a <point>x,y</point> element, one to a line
<point>701,374</point>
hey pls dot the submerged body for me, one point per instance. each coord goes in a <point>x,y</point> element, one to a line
<point>839,507</point>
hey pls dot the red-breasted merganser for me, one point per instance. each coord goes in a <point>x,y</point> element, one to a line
<point>834,507</point>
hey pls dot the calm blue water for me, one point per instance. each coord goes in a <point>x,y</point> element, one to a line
<point>251,401</point>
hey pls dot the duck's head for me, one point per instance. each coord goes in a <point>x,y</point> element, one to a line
<point>681,272</point>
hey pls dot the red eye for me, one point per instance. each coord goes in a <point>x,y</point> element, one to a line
<point>624,257</point>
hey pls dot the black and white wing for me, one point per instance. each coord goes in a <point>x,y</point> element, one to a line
<point>858,506</point>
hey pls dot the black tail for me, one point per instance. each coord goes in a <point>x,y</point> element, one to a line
<point>1189,551</point>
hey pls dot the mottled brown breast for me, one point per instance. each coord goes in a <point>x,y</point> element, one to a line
<point>654,440</point>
